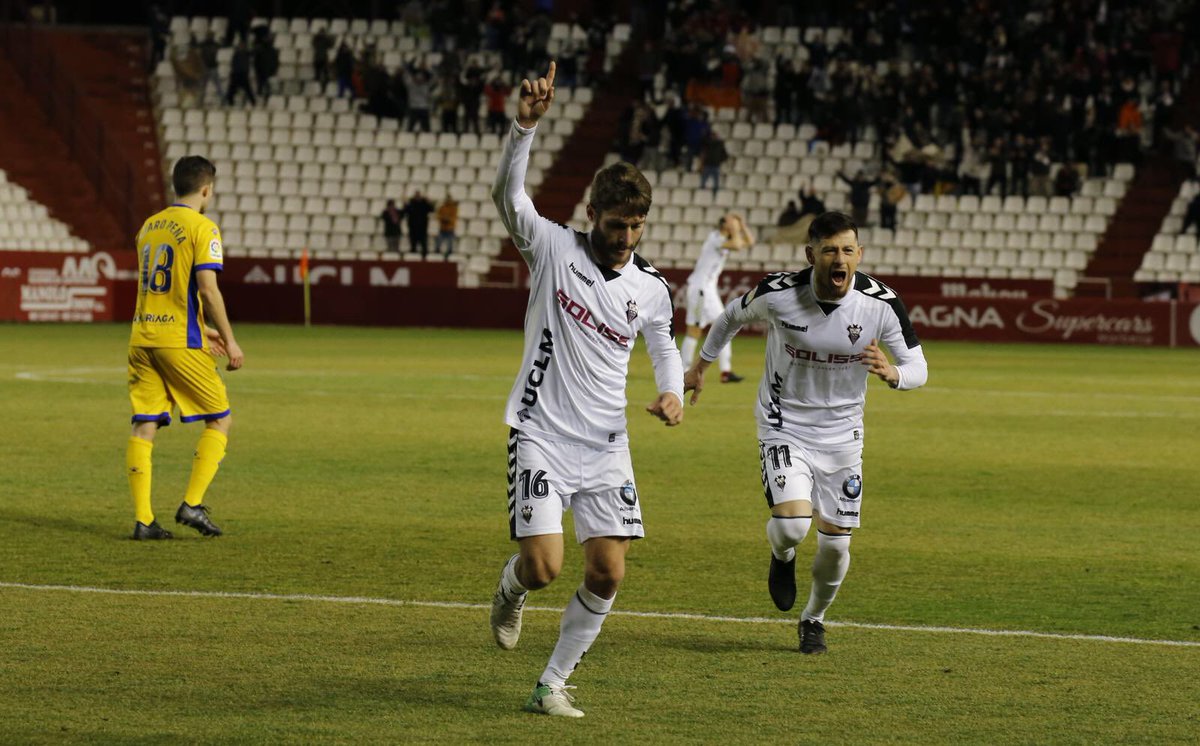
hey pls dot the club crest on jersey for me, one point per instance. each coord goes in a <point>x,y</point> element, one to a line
<point>854,331</point>
<point>780,481</point>
<point>629,494</point>
<point>631,311</point>
<point>527,512</point>
<point>852,487</point>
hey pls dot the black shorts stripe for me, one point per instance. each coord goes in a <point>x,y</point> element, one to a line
<point>512,483</point>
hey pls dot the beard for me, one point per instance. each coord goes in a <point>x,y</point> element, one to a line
<point>609,253</point>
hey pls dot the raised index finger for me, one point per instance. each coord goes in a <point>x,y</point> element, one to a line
<point>550,75</point>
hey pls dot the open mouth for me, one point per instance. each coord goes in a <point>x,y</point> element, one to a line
<point>838,276</point>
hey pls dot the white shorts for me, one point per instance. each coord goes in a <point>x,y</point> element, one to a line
<point>546,477</point>
<point>831,480</point>
<point>703,305</point>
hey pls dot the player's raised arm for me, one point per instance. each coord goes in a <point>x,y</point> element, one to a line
<point>508,192</point>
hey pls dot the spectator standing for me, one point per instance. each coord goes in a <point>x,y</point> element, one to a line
<point>447,217</point>
<point>417,210</point>
<point>998,160</point>
<point>189,72</point>
<point>1019,158</point>
<point>789,216</point>
<point>420,91</point>
<point>239,74</point>
<point>712,156</point>
<point>212,73</point>
<point>322,43</point>
<point>810,203</point>
<point>447,104</point>
<point>392,226</point>
<point>496,92</point>
<point>470,93</point>
<point>891,194</point>
<point>343,68</point>
<point>266,63</point>
<point>1039,170</point>
<point>1066,183</point>
<point>860,194</point>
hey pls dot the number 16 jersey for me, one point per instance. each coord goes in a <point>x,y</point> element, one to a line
<point>173,245</point>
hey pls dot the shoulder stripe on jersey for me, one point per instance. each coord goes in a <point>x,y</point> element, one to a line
<point>777,281</point>
<point>640,262</point>
<point>873,288</point>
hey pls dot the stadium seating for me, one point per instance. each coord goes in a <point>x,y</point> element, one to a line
<point>1173,257</point>
<point>27,226</point>
<point>308,171</point>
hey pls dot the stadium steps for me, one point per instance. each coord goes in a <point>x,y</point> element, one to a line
<point>111,69</point>
<point>1131,231</point>
<point>583,153</point>
<point>36,157</point>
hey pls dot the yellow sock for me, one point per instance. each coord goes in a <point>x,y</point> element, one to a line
<point>209,451</point>
<point>137,463</point>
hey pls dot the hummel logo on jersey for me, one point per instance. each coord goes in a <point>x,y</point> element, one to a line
<point>854,331</point>
<point>581,276</point>
<point>631,311</point>
<point>793,327</point>
<point>581,314</point>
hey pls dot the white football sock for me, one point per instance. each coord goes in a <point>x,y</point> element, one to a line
<point>725,358</point>
<point>784,533</point>
<point>508,579</point>
<point>580,626</point>
<point>688,350</point>
<point>828,571</point>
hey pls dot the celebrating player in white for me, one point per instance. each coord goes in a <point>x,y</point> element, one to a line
<point>824,325</point>
<point>590,295</point>
<point>703,299</point>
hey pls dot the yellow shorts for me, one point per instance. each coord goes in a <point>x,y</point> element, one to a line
<point>160,377</point>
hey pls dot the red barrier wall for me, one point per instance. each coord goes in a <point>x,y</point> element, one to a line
<point>39,286</point>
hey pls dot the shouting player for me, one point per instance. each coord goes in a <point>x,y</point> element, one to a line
<point>824,325</point>
<point>171,350</point>
<point>703,300</point>
<point>590,295</point>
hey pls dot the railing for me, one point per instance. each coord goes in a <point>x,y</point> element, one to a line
<point>90,144</point>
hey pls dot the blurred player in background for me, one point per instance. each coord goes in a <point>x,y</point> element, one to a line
<point>171,350</point>
<point>703,299</point>
<point>590,296</point>
<point>824,324</point>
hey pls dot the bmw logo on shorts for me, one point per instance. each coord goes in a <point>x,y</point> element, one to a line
<point>629,494</point>
<point>852,487</point>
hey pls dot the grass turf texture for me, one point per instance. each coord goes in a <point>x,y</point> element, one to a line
<point>1026,488</point>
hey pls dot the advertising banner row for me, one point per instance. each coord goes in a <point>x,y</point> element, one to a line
<point>44,287</point>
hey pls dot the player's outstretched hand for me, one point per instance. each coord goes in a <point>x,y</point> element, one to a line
<point>693,380</point>
<point>236,357</point>
<point>877,363</point>
<point>668,408</point>
<point>535,99</point>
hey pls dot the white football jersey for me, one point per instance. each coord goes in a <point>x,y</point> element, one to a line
<point>580,323</point>
<point>711,262</point>
<point>814,385</point>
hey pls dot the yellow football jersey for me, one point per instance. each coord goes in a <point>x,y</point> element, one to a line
<point>173,245</point>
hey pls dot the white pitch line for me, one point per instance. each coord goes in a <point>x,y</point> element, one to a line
<point>368,600</point>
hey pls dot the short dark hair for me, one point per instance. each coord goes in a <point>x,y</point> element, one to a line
<point>191,173</point>
<point>621,187</point>
<point>830,224</point>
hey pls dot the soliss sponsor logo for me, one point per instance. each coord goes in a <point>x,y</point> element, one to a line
<point>821,357</point>
<point>580,313</point>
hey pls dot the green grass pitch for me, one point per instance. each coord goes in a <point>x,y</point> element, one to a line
<point>1026,488</point>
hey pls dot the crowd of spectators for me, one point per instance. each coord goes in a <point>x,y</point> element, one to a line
<point>979,96</point>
